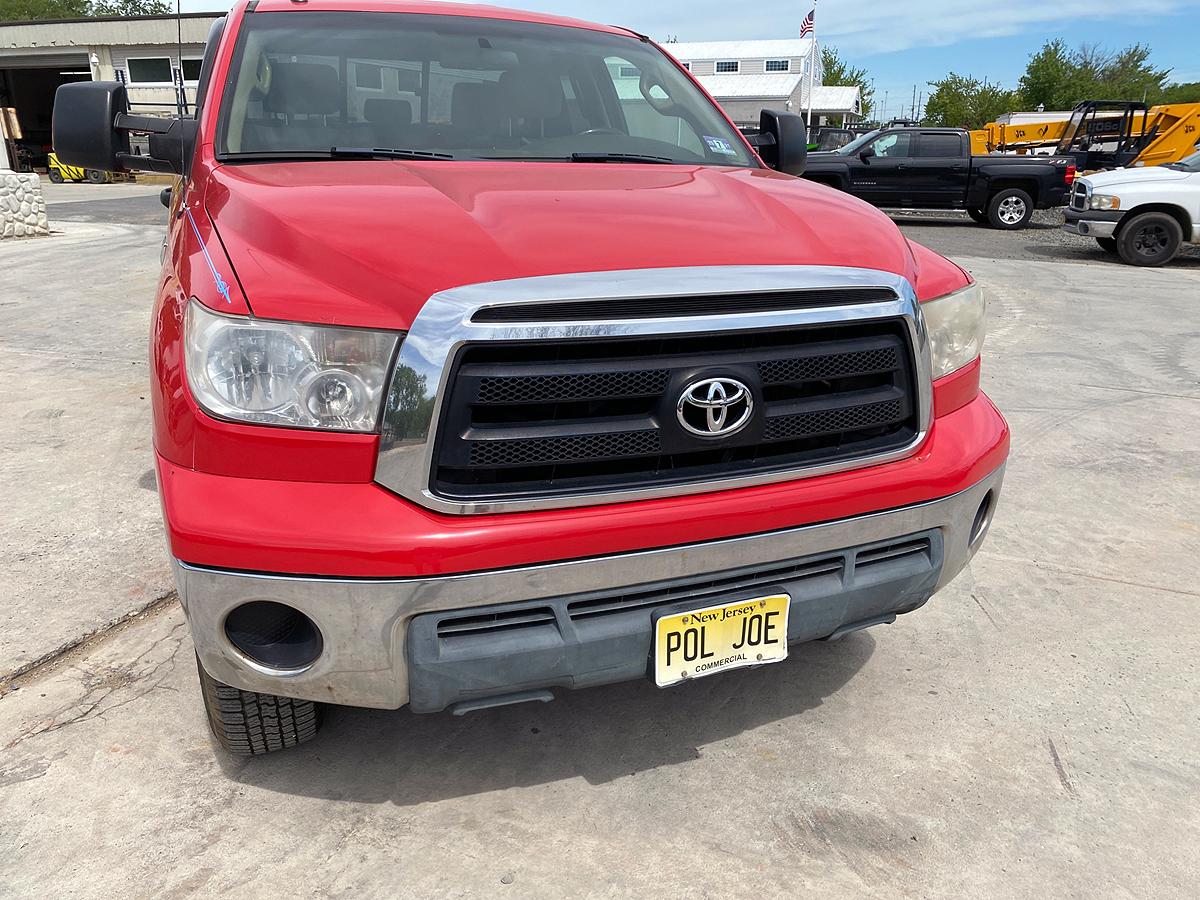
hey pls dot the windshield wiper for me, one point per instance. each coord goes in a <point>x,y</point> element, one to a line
<point>386,153</point>
<point>333,153</point>
<point>621,158</point>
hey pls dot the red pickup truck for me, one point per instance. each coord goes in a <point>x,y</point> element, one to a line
<point>489,358</point>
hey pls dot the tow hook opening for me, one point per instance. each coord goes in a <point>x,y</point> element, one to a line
<point>983,520</point>
<point>281,639</point>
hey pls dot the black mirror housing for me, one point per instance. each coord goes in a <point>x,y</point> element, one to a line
<point>85,125</point>
<point>92,124</point>
<point>789,153</point>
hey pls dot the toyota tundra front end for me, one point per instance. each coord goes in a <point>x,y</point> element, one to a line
<point>491,360</point>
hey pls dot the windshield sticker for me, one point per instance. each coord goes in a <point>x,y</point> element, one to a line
<point>719,145</point>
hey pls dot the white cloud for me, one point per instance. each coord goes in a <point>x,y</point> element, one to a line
<point>901,26</point>
<point>856,27</point>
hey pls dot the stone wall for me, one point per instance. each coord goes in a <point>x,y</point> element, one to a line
<point>22,206</point>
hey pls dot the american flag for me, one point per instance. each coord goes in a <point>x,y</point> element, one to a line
<point>807,27</point>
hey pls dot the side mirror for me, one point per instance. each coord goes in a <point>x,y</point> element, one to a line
<point>865,153</point>
<point>783,141</point>
<point>92,125</point>
<point>84,128</point>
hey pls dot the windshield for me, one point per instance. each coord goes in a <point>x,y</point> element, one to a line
<point>462,87</point>
<point>1188,163</point>
<point>858,143</point>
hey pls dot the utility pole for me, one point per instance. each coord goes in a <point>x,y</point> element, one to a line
<point>912,110</point>
<point>883,114</point>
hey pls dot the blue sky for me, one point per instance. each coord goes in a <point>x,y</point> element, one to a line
<point>908,43</point>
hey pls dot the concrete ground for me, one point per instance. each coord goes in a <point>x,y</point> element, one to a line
<point>1031,732</point>
<point>127,203</point>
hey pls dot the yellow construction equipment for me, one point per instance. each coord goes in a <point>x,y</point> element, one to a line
<point>1102,134</point>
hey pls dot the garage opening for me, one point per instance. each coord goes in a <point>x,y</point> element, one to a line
<point>29,89</point>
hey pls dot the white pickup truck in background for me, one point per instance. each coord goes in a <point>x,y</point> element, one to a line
<point>1144,215</point>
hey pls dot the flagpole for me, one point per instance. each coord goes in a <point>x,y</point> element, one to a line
<point>812,65</point>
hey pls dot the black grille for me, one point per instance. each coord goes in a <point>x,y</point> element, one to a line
<point>702,305</point>
<point>535,418</point>
<point>716,586</point>
<point>563,449</point>
<point>781,371</point>
<point>1079,197</point>
<point>584,386</point>
<point>831,421</point>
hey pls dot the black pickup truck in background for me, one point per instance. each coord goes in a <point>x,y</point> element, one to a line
<point>932,168</point>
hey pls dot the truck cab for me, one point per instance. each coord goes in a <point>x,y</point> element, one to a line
<point>905,167</point>
<point>490,361</point>
<point>1144,215</point>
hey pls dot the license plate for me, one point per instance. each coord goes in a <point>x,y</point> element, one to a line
<point>715,639</point>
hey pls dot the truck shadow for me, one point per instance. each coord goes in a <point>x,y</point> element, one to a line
<point>952,220</point>
<point>1087,252</point>
<point>600,735</point>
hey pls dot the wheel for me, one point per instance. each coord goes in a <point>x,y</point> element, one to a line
<point>95,176</point>
<point>1010,209</point>
<point>1151,239</point>
<point>1108,245</point>
<point>977,215</point>
<point>55,176</point>
<point>250,724</point>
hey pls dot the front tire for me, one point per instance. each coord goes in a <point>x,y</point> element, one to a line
<point>1010,209</point>
<point>1108,245</point>
<point>55,176</point>
<point>1151,239</point>
<point>249,724</point>
<point>95,176</point>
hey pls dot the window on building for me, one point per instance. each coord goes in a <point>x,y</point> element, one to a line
<point>944,145</point>
<point>150,70</point>
<point>778,65</point>
<point>191,69</point>
<point>728,67</point>
<point>368,76</point>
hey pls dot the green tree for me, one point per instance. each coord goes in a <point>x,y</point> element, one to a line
<point>34,10</point>
<point>1058,78</point>
<point>961,101</point>
<point>1181,92</point>
<point>1051,77</point>
<point>131,7</point>
<point>839,72</point>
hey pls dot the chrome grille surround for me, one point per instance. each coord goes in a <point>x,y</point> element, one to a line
<point>1081,195</point>
<point>445,324</point>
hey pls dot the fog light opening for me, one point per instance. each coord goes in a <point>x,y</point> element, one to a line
<point>276,637</point>
<point>983,519</point>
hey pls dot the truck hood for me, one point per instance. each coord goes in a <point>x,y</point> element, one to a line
<point>1140,175</point>
<point>368,242</point>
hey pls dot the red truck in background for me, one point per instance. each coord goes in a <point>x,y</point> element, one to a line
<point>489,358</point>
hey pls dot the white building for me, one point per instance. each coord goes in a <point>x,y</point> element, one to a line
<point>37,57</point>
<point>746,77</point>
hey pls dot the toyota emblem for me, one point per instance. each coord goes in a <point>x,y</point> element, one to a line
<point>715,407</point>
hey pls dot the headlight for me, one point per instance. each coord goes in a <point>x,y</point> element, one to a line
<point>276,373</point>
<point>1105,201</point>
<point>956,326</point>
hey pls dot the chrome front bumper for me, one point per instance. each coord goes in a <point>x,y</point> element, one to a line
<point>1092,223</point>
<point>1087,228</point>
<point>364,623</point>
